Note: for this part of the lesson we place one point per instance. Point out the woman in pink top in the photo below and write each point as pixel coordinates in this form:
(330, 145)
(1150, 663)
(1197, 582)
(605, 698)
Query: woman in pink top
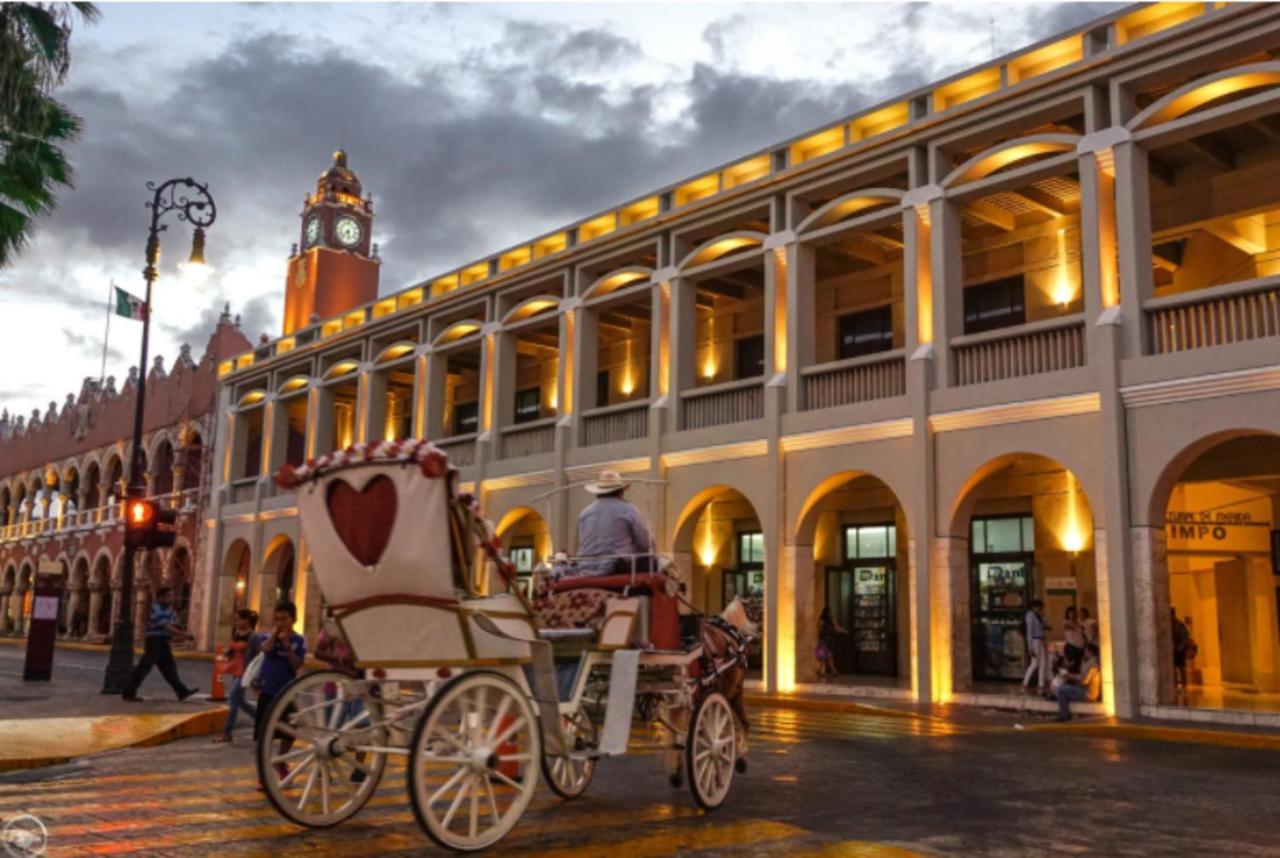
(236, 659)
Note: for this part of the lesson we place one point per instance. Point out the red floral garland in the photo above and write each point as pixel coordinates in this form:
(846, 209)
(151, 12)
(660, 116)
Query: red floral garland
(431, 460)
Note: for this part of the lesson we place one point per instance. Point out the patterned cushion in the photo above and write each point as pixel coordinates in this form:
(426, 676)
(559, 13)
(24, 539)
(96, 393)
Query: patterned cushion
(575, 609)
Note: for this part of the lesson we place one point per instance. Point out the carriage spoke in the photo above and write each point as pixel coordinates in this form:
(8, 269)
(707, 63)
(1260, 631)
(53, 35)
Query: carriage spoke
(493, 801)
(506, 734)
(457, 800)
(293, 773)
(514, 758)
(447, 785)
(475, 806)
(506, 780)
(306, 790)
(497, 719)
(292, 755)
(324, 789)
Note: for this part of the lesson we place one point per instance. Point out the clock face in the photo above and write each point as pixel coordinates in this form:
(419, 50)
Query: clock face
(347, 231)
(313, 230)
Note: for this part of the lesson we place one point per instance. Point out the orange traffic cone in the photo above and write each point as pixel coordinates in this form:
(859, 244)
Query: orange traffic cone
(217, 692)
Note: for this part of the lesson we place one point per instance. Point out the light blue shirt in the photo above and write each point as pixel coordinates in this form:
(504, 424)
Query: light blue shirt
(609, 527)
(1035, 626)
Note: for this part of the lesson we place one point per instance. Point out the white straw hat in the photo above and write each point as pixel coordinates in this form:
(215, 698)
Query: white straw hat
(609, 482)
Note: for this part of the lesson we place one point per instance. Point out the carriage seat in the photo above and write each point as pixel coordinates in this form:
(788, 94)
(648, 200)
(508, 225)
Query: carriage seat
(660, 614)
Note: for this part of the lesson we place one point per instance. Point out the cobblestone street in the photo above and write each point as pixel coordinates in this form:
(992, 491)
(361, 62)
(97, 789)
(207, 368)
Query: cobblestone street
(820, 783)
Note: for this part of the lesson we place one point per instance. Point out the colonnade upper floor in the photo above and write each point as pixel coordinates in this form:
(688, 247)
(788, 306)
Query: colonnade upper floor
(1108, 227)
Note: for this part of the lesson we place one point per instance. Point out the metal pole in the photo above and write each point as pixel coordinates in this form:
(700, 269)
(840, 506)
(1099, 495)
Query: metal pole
(120, 662)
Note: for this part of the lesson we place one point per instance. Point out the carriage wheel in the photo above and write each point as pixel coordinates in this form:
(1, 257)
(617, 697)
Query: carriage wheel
(567, 777)
(314, 758)
(471, 764)
(711, 751)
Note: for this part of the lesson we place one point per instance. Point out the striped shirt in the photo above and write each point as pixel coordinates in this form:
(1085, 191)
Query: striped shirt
(159, 618)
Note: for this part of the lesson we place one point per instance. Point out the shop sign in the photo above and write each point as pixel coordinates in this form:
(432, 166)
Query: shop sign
(1217, 530)
(1060, 585)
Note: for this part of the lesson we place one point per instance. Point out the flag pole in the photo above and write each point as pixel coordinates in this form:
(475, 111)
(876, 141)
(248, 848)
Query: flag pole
(111, 301)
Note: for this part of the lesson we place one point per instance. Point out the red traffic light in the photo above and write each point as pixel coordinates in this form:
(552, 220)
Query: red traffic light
(140, 513)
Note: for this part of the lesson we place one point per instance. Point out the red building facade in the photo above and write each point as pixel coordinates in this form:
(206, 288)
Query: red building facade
(62, 478)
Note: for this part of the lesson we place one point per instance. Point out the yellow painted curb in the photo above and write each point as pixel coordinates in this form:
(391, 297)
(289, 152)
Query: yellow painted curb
(81, 646)
(1188, 735)
(809, 704)
(30, 743)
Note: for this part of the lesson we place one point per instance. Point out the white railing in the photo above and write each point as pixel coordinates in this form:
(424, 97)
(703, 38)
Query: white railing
(860, 379)
(1032, 349)
(461, 449)
(106, 514)
(528, 439)
(1215, 317)
(610, 424)
(721, 404)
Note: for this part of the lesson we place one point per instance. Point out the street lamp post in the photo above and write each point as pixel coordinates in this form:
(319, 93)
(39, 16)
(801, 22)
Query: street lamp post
(192, 202)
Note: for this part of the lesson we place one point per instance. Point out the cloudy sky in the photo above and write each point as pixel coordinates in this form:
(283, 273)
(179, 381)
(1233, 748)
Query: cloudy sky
(473, 125)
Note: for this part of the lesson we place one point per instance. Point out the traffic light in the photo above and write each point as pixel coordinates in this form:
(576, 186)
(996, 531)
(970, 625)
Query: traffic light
(146, 525)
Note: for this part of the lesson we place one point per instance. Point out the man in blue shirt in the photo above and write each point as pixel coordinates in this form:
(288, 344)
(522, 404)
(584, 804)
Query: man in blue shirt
(612, 534)
(283, 651)
(162, 626)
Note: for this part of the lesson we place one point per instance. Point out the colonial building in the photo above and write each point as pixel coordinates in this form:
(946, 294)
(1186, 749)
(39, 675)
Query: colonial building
(62, 481)
(1009, 336)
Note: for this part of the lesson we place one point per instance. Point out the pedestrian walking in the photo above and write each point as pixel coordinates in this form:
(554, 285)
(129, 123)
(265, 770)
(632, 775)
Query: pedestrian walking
(1072, 640)
(825, 653)
(283, 651)
(1183, 648)
(1036, 627)
(237, 658)
(162, 627)
(1085, 685)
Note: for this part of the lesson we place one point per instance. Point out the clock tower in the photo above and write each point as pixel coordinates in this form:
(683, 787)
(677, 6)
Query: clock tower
(332, 270)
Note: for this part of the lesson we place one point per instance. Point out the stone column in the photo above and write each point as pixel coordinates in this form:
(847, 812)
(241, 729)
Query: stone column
(1133, 242)
(73, 605)
(1154, 631)
(801, 286)
(947, 275)
(683, 344)
(952, 658)
(141, 607)
(95, 610)
(586, 329)
(433, 369)
(808, 604)
(4, 609)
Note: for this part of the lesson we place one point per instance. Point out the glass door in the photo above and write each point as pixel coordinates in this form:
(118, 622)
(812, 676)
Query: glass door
(1002, 563)
(862, 597)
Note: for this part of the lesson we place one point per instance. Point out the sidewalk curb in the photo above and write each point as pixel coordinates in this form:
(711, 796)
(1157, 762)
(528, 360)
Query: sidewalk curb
(1112, 729)
(810, 704)
(81, 646)
(203, 723)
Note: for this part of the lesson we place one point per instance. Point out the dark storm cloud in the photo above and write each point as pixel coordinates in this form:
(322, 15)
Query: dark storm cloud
(257, 316)
(461, 156)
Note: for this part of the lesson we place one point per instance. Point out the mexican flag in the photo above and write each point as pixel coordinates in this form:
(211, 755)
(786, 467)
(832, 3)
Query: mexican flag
(129, 306)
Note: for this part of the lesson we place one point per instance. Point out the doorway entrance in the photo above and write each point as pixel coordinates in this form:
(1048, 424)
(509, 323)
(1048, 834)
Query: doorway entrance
(1002, 563)
(746, 581)
(861, 596)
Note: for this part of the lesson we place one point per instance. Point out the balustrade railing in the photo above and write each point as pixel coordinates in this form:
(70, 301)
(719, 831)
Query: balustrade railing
(625, 421)
(1215, 317)
(861, 379)
(721, 404)
(528, 439)
(461, 449)
(82, 518)
(1027, 350)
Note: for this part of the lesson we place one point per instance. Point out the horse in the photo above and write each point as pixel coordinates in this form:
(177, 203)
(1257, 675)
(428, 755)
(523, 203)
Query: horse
(724, 642)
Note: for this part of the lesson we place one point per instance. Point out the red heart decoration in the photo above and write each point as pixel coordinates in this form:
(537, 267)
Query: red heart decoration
(363, 519)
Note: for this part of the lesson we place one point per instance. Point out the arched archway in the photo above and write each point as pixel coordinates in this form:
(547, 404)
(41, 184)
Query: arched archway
(1021, 531)
(180, 578)
(77, 599)
(93, 496)
(719, 550)
(8, 593)
(235, 575)
(278, 574)
(162, 469)
(101, 597)
(22, 604)
(526, 540)
(1213, 576)
(854, 530)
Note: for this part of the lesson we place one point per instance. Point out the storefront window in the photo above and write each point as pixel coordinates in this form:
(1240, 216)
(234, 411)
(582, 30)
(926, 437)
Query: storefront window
(870, 541)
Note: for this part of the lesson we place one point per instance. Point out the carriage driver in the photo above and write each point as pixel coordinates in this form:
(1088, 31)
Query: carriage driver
(613, 530)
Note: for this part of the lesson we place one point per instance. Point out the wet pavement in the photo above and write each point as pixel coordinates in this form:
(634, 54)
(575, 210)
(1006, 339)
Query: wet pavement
(820, 783)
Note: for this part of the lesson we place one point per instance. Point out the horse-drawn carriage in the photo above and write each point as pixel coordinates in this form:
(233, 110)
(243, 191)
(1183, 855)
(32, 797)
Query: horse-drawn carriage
(463, 685)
